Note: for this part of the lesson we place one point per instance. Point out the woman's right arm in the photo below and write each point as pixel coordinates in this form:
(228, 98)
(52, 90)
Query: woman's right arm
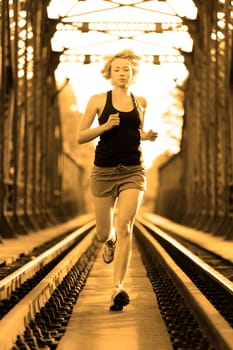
(85, 132)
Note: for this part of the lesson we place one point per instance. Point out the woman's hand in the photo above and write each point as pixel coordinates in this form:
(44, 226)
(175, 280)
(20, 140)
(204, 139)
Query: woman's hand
(113, 120)
(150, 135)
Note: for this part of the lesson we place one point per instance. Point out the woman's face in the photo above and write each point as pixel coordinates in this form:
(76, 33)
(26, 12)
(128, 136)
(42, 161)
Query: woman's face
(121, 72)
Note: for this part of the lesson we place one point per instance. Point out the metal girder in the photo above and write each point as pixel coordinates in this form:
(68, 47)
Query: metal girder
(30, 126)
(136, 21)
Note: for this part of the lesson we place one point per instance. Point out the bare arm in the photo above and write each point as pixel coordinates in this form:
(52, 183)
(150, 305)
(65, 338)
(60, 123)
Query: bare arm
(85, 132)
(145, 135)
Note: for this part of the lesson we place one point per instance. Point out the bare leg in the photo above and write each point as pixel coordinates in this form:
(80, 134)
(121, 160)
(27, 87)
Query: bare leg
(128, 205)
(104, 211)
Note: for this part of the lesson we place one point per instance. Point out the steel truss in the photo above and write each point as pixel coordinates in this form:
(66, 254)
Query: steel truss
(31, 157)
(204, 189)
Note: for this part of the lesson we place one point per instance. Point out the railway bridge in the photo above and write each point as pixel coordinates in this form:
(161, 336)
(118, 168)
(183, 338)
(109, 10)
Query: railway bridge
(50, 53)
(43, 172)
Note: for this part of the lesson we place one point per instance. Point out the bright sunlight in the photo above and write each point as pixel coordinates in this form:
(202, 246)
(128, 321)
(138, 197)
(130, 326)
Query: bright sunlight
(87, 30)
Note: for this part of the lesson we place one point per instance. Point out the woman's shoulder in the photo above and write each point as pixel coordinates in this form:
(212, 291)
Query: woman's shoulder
(98, 101)
(142, 101)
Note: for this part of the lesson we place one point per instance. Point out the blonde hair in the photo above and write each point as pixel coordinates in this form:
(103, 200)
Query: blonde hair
(127, 54)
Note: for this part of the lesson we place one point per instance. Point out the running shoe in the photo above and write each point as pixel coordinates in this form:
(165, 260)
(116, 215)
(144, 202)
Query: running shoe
(108, 251)
(120, 298)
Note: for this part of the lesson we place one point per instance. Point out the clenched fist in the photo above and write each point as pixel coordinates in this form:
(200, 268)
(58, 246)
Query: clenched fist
(113, 120)
(152, 135)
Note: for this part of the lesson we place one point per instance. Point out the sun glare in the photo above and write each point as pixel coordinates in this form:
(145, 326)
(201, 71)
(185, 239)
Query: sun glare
(153, 29)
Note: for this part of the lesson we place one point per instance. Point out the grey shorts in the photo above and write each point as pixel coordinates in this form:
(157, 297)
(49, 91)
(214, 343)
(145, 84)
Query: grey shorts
(110, 181)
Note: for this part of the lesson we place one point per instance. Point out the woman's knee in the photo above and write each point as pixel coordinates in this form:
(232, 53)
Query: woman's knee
(124, 229)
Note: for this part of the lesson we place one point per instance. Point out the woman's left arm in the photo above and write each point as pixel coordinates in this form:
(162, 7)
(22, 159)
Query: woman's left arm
(150, 135)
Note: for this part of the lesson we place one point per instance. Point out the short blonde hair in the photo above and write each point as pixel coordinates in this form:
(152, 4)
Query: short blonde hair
(127, 54)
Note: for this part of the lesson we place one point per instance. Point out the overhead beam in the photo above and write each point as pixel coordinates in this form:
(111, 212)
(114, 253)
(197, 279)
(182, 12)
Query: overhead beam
(87, 59)
(85, 27)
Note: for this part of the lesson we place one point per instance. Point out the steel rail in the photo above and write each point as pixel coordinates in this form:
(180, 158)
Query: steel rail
(215, 275)
(216, 327)
(18, 277)
(16, 320)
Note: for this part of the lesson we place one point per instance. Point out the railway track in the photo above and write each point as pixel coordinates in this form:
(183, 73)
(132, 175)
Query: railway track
(194, 299)
(206, 292)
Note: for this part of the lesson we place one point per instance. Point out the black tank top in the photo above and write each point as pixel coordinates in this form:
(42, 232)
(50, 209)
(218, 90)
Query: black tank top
(121, 144)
